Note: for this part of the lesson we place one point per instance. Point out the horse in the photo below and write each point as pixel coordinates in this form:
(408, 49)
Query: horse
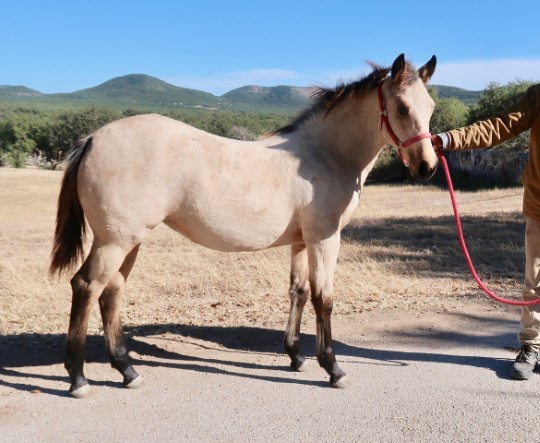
(296, 186)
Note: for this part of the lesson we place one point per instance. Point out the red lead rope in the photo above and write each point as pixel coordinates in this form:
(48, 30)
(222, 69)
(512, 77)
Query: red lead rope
(464, 246)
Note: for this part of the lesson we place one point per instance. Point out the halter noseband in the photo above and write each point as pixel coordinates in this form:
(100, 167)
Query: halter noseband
(385, 122)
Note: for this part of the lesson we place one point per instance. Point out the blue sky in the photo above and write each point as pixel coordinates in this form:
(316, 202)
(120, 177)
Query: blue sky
(63, 46)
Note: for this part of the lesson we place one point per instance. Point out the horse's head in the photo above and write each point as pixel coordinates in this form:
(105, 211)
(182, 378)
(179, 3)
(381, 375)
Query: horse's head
(406, 109)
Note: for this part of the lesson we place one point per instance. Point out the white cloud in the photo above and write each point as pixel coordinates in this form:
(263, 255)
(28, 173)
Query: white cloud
(476, 74)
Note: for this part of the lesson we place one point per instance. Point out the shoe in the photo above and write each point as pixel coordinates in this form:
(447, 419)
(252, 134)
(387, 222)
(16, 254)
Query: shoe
(525, 363)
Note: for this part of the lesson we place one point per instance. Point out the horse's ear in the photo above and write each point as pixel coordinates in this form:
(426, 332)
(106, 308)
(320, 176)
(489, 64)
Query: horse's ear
(426, 71)
(398, 67)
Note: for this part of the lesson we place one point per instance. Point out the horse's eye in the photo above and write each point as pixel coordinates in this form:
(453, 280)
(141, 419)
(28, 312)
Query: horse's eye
(403, 110)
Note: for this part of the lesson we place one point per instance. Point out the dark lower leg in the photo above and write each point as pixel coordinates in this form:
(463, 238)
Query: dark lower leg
(76, 337)
(292, 334)
(325, 351)
(109, 304)
(118, 355)
(299, 290)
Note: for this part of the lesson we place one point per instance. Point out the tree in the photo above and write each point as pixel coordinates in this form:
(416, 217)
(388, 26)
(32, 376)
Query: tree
(449, 113)
(240, 133)
(495, 99)
(18, 139)
(72, 126)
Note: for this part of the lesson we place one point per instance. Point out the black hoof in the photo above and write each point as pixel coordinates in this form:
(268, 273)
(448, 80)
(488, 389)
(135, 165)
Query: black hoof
(79, 391)
(299, 364)
(340, 382)
(131, 378)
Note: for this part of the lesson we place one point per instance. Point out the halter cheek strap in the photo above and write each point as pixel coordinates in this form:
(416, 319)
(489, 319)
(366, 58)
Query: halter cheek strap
(385, 122)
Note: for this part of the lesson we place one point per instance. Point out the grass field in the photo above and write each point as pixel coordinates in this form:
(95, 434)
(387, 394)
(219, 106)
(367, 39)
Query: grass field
(399, 252)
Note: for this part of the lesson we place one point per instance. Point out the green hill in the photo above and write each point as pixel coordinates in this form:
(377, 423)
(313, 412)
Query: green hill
(148, 93)
(140, 89)
(276, 96)
(466, 96)
(18, 91)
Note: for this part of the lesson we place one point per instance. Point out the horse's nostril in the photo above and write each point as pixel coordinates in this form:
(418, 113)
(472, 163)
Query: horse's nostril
(424, 170)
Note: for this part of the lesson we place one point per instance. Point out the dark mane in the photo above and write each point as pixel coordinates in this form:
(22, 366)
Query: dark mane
(325, 99)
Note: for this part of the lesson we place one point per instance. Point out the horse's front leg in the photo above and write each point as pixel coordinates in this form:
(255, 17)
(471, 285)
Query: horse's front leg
(322, 263)
(298, 292)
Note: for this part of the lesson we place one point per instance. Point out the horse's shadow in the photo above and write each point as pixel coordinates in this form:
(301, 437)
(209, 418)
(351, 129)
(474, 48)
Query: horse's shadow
(30, 350)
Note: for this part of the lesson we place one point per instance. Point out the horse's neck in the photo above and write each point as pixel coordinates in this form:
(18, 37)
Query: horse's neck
(352, 135)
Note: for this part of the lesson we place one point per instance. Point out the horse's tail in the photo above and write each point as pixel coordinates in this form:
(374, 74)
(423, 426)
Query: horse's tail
(70, 223)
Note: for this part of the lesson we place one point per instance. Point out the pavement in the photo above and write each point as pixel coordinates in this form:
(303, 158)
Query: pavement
(415, 377)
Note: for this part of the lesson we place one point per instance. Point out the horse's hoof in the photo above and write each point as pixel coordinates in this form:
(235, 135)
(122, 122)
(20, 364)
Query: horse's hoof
(81, 392)
(342, 383)
(299, 365)
(302, 366)
(135, 383)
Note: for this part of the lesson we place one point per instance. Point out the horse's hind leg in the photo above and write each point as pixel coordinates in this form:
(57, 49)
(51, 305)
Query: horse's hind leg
(109, 304)
(298, 292)
(88, 283)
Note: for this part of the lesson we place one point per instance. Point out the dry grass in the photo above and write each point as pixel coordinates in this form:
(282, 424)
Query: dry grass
(399, 252)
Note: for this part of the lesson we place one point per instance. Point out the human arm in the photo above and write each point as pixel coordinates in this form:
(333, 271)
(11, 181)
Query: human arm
(485, 133)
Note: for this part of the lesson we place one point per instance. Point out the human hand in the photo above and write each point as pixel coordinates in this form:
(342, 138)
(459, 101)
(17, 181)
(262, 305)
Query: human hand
(437, 142)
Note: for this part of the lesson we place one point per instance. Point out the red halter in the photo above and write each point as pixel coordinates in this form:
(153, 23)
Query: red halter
(384, 122)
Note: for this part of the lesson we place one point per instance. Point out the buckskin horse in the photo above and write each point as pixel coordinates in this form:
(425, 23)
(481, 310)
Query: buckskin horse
(297, 186)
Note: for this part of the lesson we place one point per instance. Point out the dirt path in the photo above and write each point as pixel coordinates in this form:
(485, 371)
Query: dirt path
(433, 377)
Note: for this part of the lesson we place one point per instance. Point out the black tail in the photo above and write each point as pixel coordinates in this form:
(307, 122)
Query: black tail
(70, 224)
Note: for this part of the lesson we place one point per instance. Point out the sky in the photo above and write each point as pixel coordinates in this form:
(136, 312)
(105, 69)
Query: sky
(215, 46)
